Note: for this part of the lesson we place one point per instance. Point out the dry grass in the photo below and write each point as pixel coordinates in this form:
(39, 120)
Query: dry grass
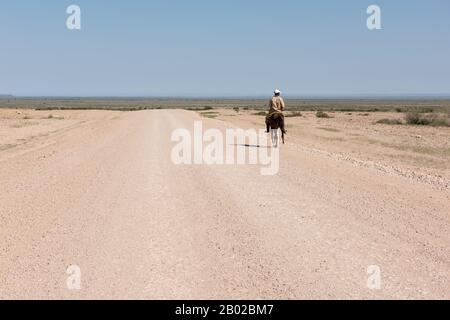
(210, 114)
(329, 129)
(321, 114)
(6, 146)
(435, 120)
(389, 121)
(260, 113)
(294, 114)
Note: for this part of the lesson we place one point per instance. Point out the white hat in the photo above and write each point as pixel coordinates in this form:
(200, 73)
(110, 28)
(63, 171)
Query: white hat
(277, 91)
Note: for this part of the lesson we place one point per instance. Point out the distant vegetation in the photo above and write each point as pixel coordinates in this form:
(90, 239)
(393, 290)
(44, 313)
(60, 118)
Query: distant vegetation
(414, 118)
(198, 108)
(210, 114)
(293, 105)
(420, 119)
(294, 114)
(260, 113)
(389, 121)
(321, 114)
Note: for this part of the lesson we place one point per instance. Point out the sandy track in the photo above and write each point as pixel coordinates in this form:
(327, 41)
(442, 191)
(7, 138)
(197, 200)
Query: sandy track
(105, 196)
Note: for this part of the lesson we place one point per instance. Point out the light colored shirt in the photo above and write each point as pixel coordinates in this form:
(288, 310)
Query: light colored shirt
(276, 105)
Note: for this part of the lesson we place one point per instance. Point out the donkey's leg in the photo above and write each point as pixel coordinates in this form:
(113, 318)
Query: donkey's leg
(282, 125)
(275, 138)
(283, 130)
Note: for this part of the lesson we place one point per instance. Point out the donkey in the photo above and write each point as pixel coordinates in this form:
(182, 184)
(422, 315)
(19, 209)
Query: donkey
(276, 122)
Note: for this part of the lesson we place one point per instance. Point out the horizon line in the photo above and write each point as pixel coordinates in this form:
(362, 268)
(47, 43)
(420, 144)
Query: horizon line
(232, 97)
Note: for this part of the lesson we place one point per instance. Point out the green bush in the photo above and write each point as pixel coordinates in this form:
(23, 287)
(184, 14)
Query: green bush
(321, 114)
(415, 118)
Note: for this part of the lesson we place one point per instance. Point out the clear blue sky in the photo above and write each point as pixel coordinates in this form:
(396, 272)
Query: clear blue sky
(224, 48)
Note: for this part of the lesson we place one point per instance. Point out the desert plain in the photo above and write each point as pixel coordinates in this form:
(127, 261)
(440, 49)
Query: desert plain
(97, 189)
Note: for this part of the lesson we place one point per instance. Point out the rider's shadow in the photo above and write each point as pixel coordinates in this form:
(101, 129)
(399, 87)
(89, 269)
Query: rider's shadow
(249, 146)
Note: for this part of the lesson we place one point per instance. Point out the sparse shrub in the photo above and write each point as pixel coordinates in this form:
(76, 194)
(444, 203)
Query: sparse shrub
(321, 114)
(210, 114)
(426, 110)
(399, 110)
(346, 109)
(50, 116)
(236, 109)
(204, 108)
(390, 121)
(294, 114)
(440, 122)
(415, 118)
(260, 113)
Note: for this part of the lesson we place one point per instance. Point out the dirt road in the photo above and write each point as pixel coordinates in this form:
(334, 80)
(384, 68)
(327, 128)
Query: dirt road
(104, 195)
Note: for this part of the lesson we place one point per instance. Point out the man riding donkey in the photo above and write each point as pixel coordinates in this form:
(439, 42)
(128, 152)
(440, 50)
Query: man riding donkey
(276, 108)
